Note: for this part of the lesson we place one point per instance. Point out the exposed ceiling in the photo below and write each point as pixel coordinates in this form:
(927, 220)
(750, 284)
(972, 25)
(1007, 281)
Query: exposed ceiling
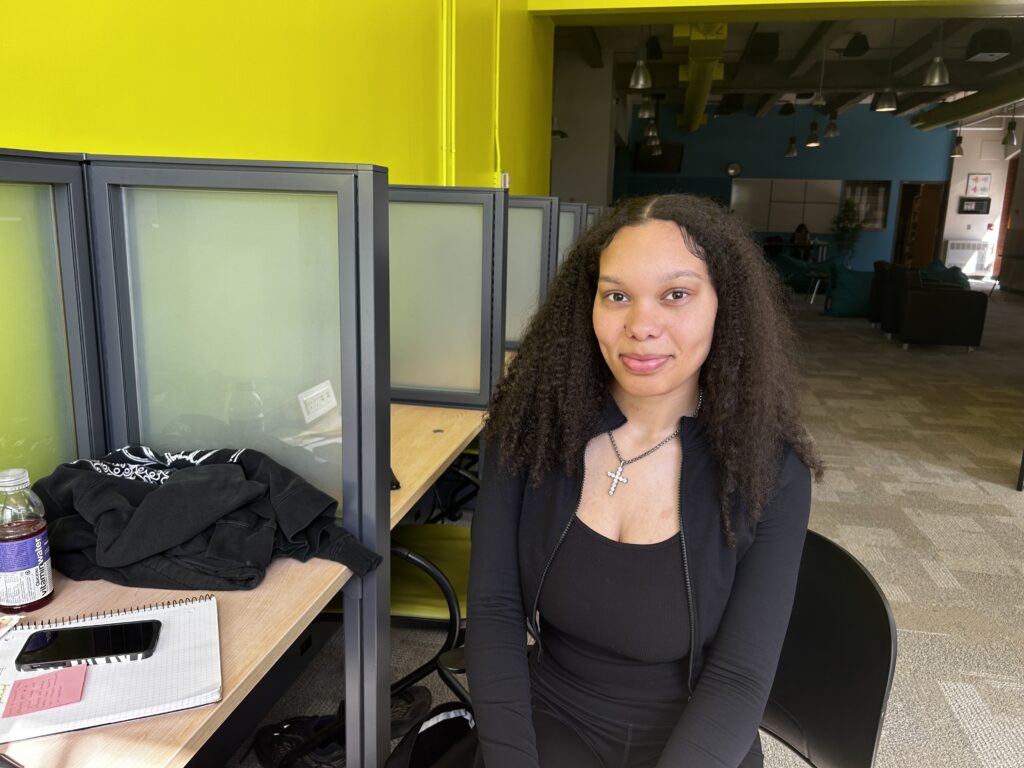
(760, 64)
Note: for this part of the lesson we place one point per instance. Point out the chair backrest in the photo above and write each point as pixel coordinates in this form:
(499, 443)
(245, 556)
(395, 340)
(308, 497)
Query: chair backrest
(832, 685)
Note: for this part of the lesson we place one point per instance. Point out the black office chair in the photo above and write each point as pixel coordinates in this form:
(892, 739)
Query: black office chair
(835, 671)
(832, 685)
(320, 740)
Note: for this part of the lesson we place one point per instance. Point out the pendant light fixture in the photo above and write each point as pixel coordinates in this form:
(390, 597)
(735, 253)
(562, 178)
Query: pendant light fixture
(656, 150)
(640, 79)
(958, 144)
(646, 109)
(832, 129)
(651, 131)
(937, 74)
(885, 100)
(812, 137)
(1010, 137)
(791, 148)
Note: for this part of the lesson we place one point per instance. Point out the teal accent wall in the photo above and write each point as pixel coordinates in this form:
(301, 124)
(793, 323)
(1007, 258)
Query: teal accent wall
(870, 147)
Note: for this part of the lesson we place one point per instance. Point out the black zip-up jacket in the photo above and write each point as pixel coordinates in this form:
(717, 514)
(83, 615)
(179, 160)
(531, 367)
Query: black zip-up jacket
(189, 520)
(739, 602)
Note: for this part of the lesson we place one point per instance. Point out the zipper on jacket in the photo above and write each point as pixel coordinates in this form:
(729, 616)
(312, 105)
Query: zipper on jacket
(544, 573)
(686, 576)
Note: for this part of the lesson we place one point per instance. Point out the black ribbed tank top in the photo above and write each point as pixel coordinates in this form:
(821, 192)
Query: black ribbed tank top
(615, 628)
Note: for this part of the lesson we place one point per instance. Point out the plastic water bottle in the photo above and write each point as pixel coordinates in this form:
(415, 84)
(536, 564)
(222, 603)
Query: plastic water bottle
(26, 577)
(245, 408)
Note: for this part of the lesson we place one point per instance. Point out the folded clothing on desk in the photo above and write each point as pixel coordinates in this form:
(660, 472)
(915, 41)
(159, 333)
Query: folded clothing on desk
(206, 519)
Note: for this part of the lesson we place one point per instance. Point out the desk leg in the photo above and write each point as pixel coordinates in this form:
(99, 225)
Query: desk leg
(1020, 477)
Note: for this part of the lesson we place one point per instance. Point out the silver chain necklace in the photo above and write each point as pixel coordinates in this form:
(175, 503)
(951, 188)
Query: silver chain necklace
(617, 476)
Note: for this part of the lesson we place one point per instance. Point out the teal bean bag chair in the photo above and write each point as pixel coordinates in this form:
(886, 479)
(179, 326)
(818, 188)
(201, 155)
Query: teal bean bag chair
(849, 292)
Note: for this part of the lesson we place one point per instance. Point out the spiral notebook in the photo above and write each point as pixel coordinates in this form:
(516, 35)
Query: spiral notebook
(183, 672)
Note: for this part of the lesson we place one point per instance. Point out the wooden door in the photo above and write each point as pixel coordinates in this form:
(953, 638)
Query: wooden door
(926, 217)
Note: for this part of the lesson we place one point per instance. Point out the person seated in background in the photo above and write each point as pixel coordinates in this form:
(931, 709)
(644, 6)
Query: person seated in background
(800, 243)
(644, 499)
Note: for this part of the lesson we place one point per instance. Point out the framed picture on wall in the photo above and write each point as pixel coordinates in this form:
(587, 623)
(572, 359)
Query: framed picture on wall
(872, 201)
(978, 184)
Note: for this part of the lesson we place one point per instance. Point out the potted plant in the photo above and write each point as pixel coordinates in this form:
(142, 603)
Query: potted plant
(846, 229)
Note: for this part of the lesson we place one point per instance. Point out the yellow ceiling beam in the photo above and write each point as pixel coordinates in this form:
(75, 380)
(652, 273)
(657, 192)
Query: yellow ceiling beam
(1007, 91)
(620, 12)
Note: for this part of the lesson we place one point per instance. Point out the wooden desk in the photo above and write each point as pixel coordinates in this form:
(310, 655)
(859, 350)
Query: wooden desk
(424, 441)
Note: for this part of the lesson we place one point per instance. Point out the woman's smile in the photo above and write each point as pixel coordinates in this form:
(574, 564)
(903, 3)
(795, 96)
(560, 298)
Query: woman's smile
(644, 364)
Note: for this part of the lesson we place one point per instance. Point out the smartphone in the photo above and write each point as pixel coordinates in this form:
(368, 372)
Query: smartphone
(97, 644)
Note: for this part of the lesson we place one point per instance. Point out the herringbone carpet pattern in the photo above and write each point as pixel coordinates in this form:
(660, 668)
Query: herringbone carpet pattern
(923, 449)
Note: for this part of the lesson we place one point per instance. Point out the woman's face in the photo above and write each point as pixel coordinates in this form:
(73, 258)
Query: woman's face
(654, 313)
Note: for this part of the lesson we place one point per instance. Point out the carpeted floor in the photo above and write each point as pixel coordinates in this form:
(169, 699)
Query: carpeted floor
(923, 448)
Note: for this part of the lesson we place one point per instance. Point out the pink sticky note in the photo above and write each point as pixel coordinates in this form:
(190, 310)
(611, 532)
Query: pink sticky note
(54, 689)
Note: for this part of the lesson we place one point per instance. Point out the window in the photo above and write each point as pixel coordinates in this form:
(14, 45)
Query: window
(872, 201)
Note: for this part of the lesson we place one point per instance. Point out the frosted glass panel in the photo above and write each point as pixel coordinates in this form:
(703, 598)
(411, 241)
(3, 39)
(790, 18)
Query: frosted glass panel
(566, 233)
(436, 267)
(788, 190)
(523, 268)
(750, 201)
(37, 429)
(235, 312)
(785, 217)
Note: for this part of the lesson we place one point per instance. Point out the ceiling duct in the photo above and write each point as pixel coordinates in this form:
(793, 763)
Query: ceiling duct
(730, 103)
(857, 46)
(987, 45)
(653, 49)
(706, 44)
(762, 48)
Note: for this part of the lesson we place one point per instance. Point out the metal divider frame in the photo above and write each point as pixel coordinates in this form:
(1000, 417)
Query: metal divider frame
(63, 174)
(579, 212)
(492, 316)
(549, 244)
(361, 193)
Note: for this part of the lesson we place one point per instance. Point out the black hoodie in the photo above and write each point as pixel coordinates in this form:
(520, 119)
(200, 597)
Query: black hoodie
(205, 519)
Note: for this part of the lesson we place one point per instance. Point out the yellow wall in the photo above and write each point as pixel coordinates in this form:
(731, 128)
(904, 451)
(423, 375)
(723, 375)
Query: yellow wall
(525, 79)
(409, 84)
(308, 80)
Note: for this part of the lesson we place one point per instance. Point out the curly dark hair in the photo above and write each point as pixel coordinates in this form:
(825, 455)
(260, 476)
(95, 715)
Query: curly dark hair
(548, 405)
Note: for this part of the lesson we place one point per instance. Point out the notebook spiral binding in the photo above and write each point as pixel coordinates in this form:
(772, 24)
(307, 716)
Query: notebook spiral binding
(115, 613)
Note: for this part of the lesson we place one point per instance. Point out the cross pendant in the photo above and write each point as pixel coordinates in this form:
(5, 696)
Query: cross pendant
(617, 478)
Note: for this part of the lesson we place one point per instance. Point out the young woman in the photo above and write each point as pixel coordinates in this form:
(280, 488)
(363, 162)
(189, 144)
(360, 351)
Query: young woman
(646, 494)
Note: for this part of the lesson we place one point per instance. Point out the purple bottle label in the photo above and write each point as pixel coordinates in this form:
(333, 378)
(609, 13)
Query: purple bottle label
(24, 554)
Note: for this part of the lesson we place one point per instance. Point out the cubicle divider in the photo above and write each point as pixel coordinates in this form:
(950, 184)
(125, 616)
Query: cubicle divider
(45, 251)
(572, 220)
(246, 304)
(594, 212)
(447, 279)
(531, 263)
